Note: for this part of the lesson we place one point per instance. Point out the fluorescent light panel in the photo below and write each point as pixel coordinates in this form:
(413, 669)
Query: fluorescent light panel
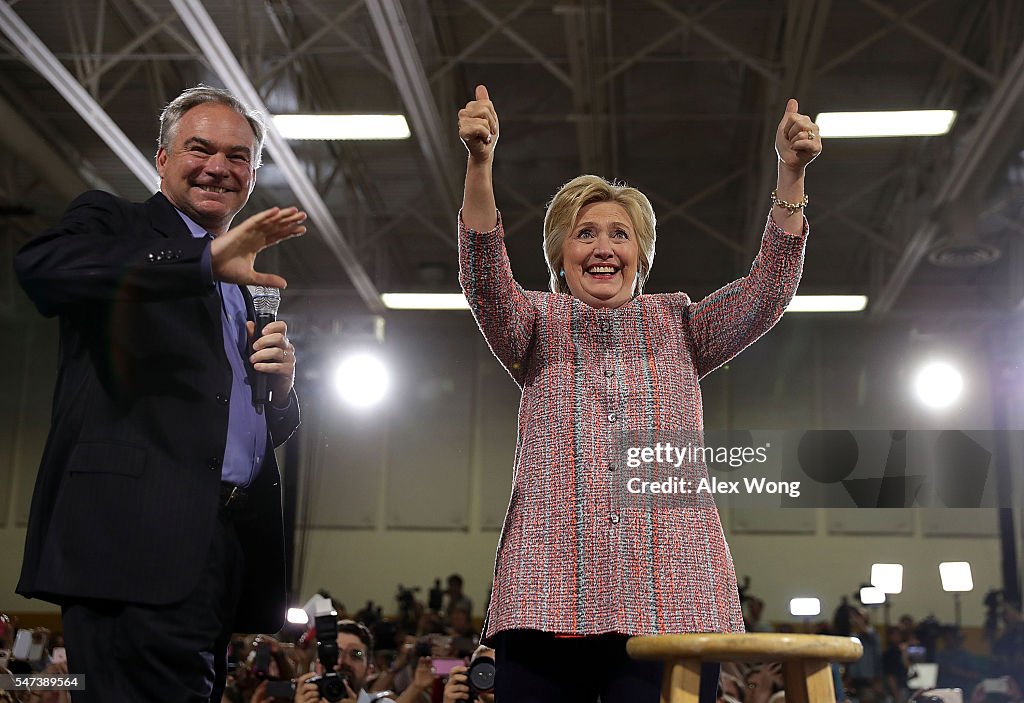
(828, 303)
(890, 123)
(456, 301)
(425, 301)
(342, 127)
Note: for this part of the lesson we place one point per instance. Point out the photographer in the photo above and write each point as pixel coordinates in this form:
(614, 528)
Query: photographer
(458, 686)
(355, 653)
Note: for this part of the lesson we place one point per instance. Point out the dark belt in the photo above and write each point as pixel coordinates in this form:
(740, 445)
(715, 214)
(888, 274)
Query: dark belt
(233, 501)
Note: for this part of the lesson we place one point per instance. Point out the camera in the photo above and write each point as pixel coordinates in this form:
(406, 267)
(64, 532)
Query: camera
(331, 684)
(481, 676)
(260, 659)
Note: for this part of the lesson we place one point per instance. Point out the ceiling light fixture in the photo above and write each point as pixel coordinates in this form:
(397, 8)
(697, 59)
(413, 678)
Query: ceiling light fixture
(828, 303)
(342, 127)
(888, 123)
(425, 301)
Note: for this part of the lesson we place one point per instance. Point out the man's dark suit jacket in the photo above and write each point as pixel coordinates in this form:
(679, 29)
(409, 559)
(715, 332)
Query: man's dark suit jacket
(126, 497)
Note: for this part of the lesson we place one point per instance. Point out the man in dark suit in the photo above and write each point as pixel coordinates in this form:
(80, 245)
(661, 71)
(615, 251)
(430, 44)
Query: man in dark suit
(156, 520)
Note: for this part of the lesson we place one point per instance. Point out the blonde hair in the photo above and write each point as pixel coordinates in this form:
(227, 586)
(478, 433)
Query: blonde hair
(565, 207)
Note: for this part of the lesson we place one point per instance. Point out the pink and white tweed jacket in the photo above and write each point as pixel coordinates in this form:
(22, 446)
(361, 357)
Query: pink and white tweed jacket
(574, 558)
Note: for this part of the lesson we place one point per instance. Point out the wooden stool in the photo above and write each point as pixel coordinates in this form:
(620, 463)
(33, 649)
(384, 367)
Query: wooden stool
(805, 660)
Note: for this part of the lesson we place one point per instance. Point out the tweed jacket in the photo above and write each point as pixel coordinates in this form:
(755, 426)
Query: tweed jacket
(573, 557)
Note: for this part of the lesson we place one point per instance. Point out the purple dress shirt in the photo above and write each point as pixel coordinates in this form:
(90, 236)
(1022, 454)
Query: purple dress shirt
(247, 429)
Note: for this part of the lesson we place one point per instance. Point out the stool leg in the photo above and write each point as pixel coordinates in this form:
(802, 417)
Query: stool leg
(681, 681)
(809, 681)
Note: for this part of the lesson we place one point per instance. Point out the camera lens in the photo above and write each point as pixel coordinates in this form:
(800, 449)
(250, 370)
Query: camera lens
(481, 674)
(332, 687)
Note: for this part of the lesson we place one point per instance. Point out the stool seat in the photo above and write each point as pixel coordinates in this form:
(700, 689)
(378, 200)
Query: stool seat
(806, 660)
(747, 647)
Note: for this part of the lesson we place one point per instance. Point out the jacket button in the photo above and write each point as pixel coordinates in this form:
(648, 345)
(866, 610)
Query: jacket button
(612, 418)
(614, 519)
(222, 399)
(608, 373)
(151, 257)
(611, 466)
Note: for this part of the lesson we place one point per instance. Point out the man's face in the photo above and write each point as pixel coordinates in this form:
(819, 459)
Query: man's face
(353, 660)
(207, 172)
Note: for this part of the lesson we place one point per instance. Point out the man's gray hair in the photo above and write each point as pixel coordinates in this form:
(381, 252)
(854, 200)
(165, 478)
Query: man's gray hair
(202, 94)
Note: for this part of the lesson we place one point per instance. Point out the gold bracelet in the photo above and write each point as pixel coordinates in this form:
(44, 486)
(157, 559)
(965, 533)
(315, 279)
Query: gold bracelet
(789, 207)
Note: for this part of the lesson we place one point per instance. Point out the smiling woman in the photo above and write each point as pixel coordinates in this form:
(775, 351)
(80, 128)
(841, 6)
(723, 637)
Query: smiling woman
(599, 241)
(603, 367)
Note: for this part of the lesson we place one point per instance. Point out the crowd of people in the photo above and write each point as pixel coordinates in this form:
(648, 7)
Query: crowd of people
(424, 657)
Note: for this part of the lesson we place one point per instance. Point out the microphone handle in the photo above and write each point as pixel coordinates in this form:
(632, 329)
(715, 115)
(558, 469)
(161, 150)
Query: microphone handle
(261, 393)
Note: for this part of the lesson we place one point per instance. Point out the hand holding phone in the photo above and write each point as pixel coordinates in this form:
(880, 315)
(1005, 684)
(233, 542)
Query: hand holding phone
(22, 645)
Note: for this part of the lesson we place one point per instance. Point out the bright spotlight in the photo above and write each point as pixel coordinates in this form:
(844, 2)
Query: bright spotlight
(805, 607)
(938, 384)
(362, 380)
(297, 616)
(888, 578)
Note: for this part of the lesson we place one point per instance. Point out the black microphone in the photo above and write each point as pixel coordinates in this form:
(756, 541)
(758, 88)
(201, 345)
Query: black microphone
(266, 300)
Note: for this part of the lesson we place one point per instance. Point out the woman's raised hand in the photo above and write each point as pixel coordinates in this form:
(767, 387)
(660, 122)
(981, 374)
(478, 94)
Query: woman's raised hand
(478, 125)
(798, 139)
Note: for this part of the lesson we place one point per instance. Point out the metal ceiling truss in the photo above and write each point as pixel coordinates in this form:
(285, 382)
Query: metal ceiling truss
(43, 60)
(227, 67)
(998, 117)
(802, 33)
(411, 80)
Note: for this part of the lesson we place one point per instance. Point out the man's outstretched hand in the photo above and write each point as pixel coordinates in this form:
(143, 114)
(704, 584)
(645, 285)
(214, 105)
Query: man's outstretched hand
(233, 253)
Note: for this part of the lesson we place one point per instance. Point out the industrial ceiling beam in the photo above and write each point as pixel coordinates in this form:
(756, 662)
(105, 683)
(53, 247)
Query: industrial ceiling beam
(623, 64)
(997, 119)
(522, 42)
(914, 31)
(410, 78)
(730, 49)
(223, 61)
(23, 140)
(481, 40)
(803, 33)
(867, 41)
(43, 60)
(580, 38)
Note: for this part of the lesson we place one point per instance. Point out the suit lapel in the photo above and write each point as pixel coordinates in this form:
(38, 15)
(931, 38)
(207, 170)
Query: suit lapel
(165, 219)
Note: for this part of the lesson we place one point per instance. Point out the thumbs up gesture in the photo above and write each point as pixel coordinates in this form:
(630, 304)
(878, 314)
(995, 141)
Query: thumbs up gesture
(478, 126)
(797, 140)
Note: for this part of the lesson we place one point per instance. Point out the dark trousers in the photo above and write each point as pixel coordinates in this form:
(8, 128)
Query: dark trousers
(537, 667)
(131, 652)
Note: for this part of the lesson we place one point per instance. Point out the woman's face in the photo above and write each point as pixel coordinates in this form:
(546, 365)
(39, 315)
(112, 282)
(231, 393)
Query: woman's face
(600, 254)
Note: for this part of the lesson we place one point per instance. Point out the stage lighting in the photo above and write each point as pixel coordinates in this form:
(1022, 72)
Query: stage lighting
(297, 616)
(805, 607)
(871, 595)
(888, 578)
(938, 384)
(362, 380)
